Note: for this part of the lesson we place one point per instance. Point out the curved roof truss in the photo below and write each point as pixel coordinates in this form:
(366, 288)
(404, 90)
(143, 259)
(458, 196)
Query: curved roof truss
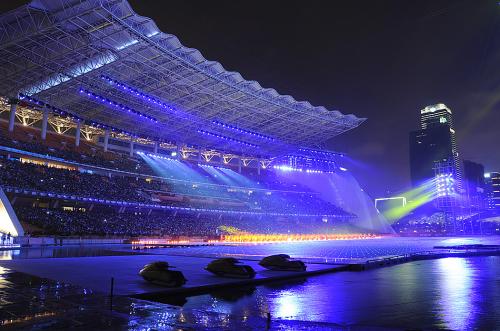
(51, 49)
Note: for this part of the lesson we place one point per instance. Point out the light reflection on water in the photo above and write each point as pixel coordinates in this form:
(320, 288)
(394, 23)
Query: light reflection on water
(447, 293)
(287, 305)
(456, 292)
(8, 254)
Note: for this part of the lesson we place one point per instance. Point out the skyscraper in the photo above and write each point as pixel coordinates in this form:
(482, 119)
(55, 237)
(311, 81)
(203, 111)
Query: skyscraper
(434, 145)
(474, 185)
(493, 190)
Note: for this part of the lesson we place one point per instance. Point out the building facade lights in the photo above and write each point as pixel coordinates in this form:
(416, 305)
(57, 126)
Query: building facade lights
(445, 185)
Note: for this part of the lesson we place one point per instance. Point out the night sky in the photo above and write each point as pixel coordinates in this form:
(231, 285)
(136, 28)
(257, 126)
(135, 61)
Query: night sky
(384, 60)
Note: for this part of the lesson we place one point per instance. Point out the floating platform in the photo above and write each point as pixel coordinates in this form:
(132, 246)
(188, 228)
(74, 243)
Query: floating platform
(95, 273)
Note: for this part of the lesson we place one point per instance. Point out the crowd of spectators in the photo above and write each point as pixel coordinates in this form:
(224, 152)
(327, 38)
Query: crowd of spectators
(110, 222)
(29, 176)
(91, 156)
(264, 196)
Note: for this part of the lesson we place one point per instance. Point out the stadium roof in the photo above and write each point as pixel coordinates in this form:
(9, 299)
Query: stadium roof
(102, 62)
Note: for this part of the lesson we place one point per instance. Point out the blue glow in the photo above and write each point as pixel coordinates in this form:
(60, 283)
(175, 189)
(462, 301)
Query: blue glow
(314, 151)
(227, 138)
(445, 185)
(67, 114)
(75, 71)
(240, 130)
(307, 171)
(138, 93)
(115, 104)
(457, 293)
(286, 168)
(127, 44)
(310, 159)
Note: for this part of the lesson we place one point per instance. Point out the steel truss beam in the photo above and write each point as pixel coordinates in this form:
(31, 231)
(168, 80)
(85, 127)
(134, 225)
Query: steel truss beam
(53, 48)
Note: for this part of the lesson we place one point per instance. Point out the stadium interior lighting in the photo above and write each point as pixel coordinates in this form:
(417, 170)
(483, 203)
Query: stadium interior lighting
(156, 156)
(186, 173)
(64, 113)
(237, 129)
(115, 104)
(314, 171)
(307, 150)
(169, 167)
(73, 72)
(239, 179)
(127, 44)
(210, 166)
(137, 93)
(227, 138)
(310, 159)
(287, 168)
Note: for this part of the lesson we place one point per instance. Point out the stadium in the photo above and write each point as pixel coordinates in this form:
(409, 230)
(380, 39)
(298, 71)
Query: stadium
(144, 187)
(111, 127)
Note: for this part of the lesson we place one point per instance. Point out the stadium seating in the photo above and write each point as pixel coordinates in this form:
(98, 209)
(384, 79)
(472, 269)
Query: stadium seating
(75, 199)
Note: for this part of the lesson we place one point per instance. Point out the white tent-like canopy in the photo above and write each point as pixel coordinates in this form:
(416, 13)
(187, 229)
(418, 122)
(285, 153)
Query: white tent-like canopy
(145, 82)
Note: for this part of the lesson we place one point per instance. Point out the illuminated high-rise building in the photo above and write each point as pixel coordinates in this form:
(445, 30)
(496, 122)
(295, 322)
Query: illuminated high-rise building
(493, 190)
(435, 143)
(436, 115)
(474, 185)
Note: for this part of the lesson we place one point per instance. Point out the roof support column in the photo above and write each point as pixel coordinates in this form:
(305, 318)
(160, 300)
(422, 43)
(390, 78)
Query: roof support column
(258, 167)
(45, 119)
(12, 118)
(106, 140)
(239, 165)
(131, 152)
(155, 149)
(77, 133)
(179, 156)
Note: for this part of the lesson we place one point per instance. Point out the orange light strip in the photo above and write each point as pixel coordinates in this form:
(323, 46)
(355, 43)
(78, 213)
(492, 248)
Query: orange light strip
(269, 238)
(257, 238)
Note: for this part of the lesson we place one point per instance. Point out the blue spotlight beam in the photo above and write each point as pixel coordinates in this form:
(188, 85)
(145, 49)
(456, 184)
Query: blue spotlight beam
(240, 130)
(115, 104)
